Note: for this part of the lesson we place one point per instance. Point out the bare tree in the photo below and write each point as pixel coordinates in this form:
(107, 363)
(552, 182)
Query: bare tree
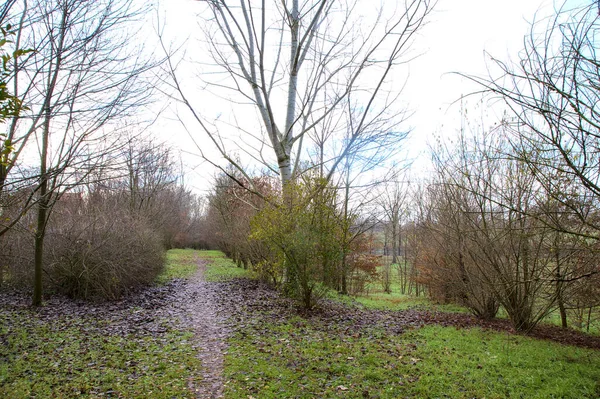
(553, 95)
(394, 203)
(489, 218)
(313, 71)
(83, 77)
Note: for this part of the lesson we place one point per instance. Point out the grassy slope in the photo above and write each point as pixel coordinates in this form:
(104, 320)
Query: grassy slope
(67, 358)
(302, 360)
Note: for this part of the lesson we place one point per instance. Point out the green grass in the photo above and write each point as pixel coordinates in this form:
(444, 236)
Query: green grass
(376, 298)
(487, 364)
(67, 359)
(397, 301)
(75, 357)
(221, 268)
(181, 263)
(297, 360)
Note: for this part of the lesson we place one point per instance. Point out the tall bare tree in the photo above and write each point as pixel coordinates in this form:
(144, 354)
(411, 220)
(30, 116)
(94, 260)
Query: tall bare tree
(314, 71)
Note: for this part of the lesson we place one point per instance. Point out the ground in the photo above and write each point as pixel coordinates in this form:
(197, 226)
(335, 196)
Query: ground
(238, 338)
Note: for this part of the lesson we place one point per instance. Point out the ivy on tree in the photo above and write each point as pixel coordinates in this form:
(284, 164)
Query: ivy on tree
(10, 105)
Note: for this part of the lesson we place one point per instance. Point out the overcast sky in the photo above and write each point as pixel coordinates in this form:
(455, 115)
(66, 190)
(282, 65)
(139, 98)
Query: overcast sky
(456, 38)
(460, 37)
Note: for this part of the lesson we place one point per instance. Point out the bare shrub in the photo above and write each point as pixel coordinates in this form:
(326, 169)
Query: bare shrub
(363, 271)
(95, 249)
(103, 255)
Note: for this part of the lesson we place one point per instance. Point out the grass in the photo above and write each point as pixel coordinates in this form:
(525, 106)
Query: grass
(77, 357)
(221, 268)
(298, 360)
(376, 298)
(180, 263)
(398, 301)
(55, 362)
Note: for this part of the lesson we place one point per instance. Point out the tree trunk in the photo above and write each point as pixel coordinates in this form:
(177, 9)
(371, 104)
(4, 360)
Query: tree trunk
(559, 295)
(42, 216)
(394, 241)
(40, 235)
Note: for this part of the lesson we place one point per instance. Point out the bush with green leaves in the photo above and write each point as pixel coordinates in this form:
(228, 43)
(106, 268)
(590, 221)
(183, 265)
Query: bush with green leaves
(303, 228)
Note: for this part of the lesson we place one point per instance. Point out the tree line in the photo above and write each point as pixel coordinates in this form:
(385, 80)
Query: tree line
(508, 219)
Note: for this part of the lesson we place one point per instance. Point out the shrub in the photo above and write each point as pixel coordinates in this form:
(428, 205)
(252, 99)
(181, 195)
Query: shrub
(303, 229)
(93, 249)
(363, 271)
(103, 256)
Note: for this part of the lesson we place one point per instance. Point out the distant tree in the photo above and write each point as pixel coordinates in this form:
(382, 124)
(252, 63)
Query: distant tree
(393, 201)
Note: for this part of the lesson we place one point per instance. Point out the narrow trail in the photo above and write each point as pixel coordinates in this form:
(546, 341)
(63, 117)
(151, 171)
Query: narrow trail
(211, 334)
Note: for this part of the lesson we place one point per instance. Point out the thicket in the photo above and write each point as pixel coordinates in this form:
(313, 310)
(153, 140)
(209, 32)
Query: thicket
(107, 237)
(491, 240)
(527, 190)
(303, 228)
(95, 249)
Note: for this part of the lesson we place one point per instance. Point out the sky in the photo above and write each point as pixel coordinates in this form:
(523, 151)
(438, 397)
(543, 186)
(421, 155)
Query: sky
(459, 37)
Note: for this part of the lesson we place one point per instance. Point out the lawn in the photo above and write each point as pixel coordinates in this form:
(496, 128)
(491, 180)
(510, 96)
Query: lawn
(56, 360)
(301, 360)
(180, 263)
(81, 350)
(221, 268)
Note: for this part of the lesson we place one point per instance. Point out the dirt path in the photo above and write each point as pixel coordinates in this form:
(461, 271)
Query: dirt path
(199, 298)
